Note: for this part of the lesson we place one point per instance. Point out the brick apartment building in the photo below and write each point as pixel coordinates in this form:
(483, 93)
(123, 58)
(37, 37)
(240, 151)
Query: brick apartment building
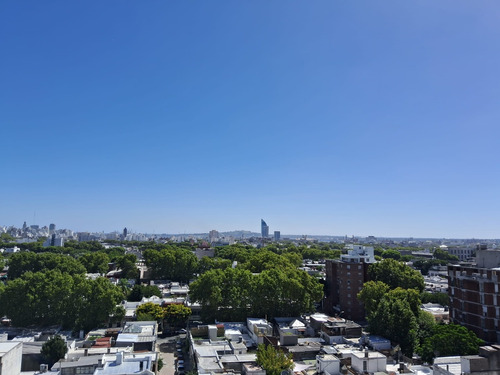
(474, 297)
(344, 280)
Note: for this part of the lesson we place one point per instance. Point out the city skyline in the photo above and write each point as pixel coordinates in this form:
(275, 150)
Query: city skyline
(325, 118)
(249, 232)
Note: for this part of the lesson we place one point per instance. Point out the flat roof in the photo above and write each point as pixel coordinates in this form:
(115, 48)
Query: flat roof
(7, 346)
(80, 361)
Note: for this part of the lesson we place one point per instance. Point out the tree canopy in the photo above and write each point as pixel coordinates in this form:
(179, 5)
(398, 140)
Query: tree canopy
(236, 293)
(394, 314)
(96, 262)
(273, 360)
(396, 274)
(25, 261)
(51, 297)
(150, 311)
(54, 349)
(176, 313)
(175, 264)
(139, 291)
(449, 340)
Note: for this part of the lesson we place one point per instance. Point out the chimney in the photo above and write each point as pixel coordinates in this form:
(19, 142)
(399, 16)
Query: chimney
(119, 358)
(366, 353)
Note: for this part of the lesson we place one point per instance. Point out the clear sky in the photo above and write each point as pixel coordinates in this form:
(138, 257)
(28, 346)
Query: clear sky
(321, 117)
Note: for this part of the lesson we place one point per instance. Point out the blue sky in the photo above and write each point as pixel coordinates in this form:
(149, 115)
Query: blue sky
(322, 117)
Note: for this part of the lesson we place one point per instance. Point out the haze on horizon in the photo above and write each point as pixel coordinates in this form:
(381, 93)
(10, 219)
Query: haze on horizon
(325, 117)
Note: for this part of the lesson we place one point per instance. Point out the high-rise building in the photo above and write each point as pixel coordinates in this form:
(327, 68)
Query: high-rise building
(52, 229)
(264, 229)
(277, 235)
(474, 294)
(345, 279)
(125, 232)
(213, 235)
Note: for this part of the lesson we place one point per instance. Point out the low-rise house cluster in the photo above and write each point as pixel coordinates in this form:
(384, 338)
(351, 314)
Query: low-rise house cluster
(318, 344)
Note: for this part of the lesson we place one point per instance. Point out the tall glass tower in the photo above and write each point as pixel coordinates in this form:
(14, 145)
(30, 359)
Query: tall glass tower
(264, 229)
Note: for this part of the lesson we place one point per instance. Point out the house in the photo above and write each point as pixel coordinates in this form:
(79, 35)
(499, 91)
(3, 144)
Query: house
(140, 335)
(334, 330)
(439, 312)
(447, 366)
(10, 357)
(368, 361)
(327, 364)
(258, 328)
(123, 363)
(78, 365)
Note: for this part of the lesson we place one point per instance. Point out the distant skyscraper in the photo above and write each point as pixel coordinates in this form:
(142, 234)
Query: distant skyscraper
(25, 226)
(264, 229)
(125, 232)
(213, 235)
(277, 235)
(52, 229)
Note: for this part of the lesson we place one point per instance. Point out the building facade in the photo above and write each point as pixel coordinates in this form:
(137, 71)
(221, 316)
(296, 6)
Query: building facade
(264, 229)
(474, 294)
(474, 299)
(345, 279)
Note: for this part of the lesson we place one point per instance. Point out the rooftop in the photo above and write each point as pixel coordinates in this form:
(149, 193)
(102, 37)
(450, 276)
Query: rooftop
(6, 347)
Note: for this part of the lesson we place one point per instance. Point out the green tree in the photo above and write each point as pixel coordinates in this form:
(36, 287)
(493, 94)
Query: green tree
(149, 310)
(285, 292)
(52, 297)
(207, 290)
(395, 320)
(392, 254)
(440, 298)
(127, 264)
(176, 313)
(171, 264)
(54, 349)
(235, 293)
(426, 323)
(42, 298)
(449, 340)
(6, 238)
(25, 261)
(139, 291)
(205, 264)
(223, 294)
(96, 262)
(273, 360)
(371, 295)
(444, 255)
(396, 274)
(97, 302)
(266, 260)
